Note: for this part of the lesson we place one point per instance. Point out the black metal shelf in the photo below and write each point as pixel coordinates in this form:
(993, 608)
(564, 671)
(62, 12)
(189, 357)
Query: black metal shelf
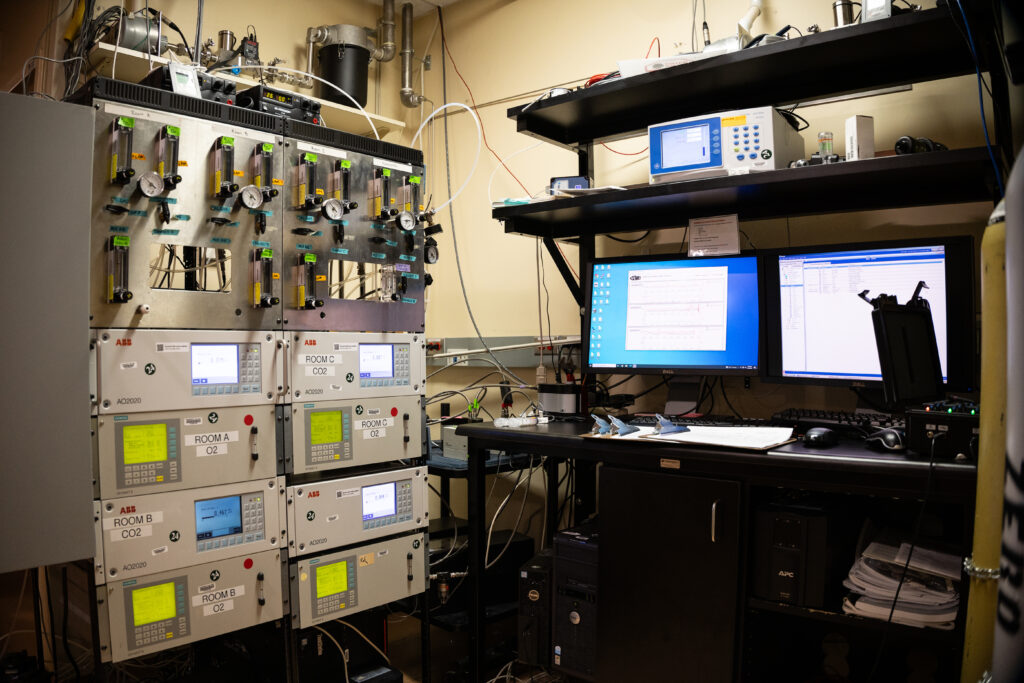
(950, 177)
(908, 48)
(850, 620)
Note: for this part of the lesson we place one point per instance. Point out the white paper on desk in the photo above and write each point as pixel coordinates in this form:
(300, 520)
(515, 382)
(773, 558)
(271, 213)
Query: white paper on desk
(930, 561)
(755, 438)
(715, 235)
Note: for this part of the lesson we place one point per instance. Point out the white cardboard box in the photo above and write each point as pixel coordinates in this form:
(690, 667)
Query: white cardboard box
(860, 137)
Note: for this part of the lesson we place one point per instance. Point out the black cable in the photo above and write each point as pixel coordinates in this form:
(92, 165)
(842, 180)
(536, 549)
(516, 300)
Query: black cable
(53, 627)
(647, 391)
(910, 554)
(626, 241)
(64, 628)
(174, 27)
(749, 241)
(37, 611)
(721, 386)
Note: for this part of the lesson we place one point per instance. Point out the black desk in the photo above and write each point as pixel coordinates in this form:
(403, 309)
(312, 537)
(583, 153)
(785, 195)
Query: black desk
(846, 468)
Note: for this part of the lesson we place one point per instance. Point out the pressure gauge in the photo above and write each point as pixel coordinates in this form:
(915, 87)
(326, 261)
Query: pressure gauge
(151, 184)
(430, 253)
(332, 209)
(406, 221)
(252, 197)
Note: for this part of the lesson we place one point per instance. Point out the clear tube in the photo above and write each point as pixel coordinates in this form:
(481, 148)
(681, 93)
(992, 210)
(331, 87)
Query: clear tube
(479, 145)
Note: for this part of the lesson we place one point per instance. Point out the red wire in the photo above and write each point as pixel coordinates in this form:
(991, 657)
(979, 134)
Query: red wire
(655, 39)
(483, 133)
(625, 154)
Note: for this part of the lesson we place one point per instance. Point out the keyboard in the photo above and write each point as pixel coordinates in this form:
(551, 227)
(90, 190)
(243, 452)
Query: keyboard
(834, 419)
(697, 421)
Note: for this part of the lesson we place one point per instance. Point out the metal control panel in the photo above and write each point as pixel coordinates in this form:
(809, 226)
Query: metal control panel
(332, 434)
(338, 512)
(335, 585)
(163, 531)
(186, 222)
(333, 365)
(172, 608)
(149, 370)
(168, 451)
(353, 241)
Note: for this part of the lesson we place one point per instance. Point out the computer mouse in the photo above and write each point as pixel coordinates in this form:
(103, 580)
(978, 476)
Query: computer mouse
(821, 437)
(889, 439)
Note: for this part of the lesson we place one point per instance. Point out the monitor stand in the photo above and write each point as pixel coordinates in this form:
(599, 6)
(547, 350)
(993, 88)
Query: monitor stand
(683, 394)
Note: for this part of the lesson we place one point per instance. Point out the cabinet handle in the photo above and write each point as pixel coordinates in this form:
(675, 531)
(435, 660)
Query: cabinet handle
(714, 519)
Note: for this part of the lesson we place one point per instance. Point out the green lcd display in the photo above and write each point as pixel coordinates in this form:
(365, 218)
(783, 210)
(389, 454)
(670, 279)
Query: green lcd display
(331, 579)
(154, 603)
(325, 427)
(144, 443)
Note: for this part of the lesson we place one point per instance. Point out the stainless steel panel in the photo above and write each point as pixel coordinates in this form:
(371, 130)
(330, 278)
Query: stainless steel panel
(362, 240)
(194, 212)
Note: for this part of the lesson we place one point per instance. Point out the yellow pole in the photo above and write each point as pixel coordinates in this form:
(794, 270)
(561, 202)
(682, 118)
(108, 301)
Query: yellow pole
(988, 508)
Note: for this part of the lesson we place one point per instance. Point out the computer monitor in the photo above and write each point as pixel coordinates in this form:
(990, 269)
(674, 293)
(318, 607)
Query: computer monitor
(820, 331)
(672, 315)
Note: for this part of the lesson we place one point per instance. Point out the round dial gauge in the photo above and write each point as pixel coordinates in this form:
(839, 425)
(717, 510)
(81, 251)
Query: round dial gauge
(332, 209)
(252, 197)
(406, 221)
(151, 184)
(430, 253)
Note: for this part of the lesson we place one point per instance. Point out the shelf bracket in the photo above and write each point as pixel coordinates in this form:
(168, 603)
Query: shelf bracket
(563, 268)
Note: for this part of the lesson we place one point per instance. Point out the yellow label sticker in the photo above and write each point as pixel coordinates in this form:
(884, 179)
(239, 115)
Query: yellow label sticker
(734, 121)
(321, 278)
(670, 464)
(277, 181)
(182, 162)
(392, 200)
(366, 560)
(139, 156)
(239, 173)
(276, 276)
(319, 192)
(422, 208)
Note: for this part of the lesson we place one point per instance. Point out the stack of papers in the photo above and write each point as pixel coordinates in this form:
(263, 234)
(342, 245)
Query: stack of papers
(927, 598)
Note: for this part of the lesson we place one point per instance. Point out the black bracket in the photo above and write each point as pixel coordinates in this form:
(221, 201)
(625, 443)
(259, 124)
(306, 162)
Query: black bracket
(563, 268)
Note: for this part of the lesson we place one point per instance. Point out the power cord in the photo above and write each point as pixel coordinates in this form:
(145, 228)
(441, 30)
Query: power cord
(910, 555)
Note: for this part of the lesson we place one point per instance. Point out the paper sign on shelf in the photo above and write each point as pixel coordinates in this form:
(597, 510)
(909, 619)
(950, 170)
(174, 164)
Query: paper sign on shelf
(715, 235)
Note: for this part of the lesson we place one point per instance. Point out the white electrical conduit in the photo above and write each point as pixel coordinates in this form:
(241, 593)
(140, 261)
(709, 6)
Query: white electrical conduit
(479, 145)
(256, 67)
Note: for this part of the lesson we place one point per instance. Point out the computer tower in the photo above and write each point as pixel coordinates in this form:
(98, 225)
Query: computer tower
(535, 588)
(791, 555)
(574, 615)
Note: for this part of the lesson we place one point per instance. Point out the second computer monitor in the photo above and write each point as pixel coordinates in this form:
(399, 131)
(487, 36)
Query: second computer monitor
(676, 315)
(820, 330)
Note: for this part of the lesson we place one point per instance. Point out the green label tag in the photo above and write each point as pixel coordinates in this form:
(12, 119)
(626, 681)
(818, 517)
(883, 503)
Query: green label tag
(414, 180)
(126, 121)
(309, 258)
(267, 147)
(120, 418)
(312, 158)
(137, 212)
(227, 142)
(122, 240)
(259, 243)
(339, 250)
(264, 212)
(309, 405)
(220, 209)
(307, 219)
(386, 172)
(345, 163)
(411, 276)
(181, 217)
(219, 240)
(174, 130)
(266, 253)
(391, 243)
(377, 254)
(157, 200)
(406, 257)
(306, 247)
(120, 200)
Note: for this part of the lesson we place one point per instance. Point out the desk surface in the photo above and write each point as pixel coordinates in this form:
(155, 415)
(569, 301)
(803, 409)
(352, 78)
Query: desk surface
(850, 466)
